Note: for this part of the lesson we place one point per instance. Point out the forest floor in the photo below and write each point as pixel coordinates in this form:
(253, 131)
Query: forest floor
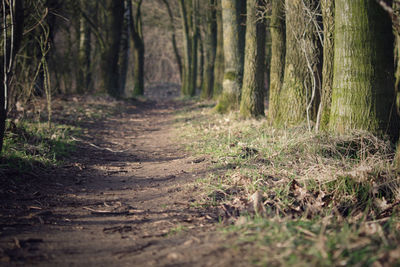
(162, 181)
(125, 196)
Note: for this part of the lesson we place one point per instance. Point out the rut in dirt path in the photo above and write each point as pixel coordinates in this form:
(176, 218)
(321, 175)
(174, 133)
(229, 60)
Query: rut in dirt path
(130, 203)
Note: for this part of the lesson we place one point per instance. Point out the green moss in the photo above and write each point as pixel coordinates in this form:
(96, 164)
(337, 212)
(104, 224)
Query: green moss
(277, 64)
(296, 87)
(217, 90)
(362, 94)
(324, 124)
(226, 103)
(230, 75)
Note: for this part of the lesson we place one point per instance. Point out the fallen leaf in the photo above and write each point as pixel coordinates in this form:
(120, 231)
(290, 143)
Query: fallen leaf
(258, 204)
(381, 204)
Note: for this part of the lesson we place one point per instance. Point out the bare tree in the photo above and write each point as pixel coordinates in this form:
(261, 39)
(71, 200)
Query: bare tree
(12, 29)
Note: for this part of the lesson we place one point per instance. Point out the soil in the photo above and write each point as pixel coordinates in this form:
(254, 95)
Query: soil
(126, 197)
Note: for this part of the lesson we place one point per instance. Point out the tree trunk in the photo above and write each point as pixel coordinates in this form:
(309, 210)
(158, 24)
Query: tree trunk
(252, 100)
(84, 57)
(124, 52)
(11, 41)
(194, 50)
(363, 94)
(137, 46)
(299, 85)
(190, 34)
(277, 68)
(186, 48)
(233, 55)
(396, 6)
(219, 65)
(173, 37)
(201, 53)
(110, 52)
(210, 44)
(328, 16)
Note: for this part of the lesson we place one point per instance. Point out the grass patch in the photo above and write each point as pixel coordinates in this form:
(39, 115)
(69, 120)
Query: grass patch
(311, 198)
(30, 144)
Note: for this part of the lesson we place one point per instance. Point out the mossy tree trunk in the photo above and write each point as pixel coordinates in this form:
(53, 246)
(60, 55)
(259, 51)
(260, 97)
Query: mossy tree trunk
(232, 16)
(109, 82)
(363, 94)
(278, 46)
(252, 100)
(201, 59)
(189, 18)
(300, 63)
(219, 65)
(137, 41)
(328, 13)
(210, 44)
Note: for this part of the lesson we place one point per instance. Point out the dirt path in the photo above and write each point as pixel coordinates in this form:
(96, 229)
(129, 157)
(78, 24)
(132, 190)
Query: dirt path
(126, 199)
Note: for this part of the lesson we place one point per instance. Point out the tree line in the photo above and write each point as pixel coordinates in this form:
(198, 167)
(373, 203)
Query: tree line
(53, 47)
(331, 64)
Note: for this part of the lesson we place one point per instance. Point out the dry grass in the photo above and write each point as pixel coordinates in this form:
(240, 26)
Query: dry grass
(308, 198)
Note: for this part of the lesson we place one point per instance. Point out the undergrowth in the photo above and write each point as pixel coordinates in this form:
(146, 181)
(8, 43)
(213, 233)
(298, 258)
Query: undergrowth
(302, 198)
(31, 146)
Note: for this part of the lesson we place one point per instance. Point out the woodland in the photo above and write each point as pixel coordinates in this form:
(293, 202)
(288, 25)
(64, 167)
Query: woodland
(200, 133)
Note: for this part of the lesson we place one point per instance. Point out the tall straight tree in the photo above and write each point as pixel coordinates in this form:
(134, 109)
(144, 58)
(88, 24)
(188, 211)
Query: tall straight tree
(219, 65)
(84, 54)
(328, 9)
(173, 37)
(301, 58)
(278, 46)
(124, 49)
(252, 100)
(112, 24)
(189, 15)
(233, 34)
(363, 94)
(135, 20)
(210, 47)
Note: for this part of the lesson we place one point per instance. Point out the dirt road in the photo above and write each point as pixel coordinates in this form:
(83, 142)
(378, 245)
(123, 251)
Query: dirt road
(126, 198)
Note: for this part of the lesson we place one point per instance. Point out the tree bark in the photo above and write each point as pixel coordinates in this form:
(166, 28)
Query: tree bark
(252, 100)
(110, 51)
(124, 49)
(201, 57)
(189, 17)
(84, 54)
(300, 64)
(278, 47)
(219, 65)
(328, 17)
(137, 46)
(233, 55)
(363, 94)
(210, 44)
(173, 37)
